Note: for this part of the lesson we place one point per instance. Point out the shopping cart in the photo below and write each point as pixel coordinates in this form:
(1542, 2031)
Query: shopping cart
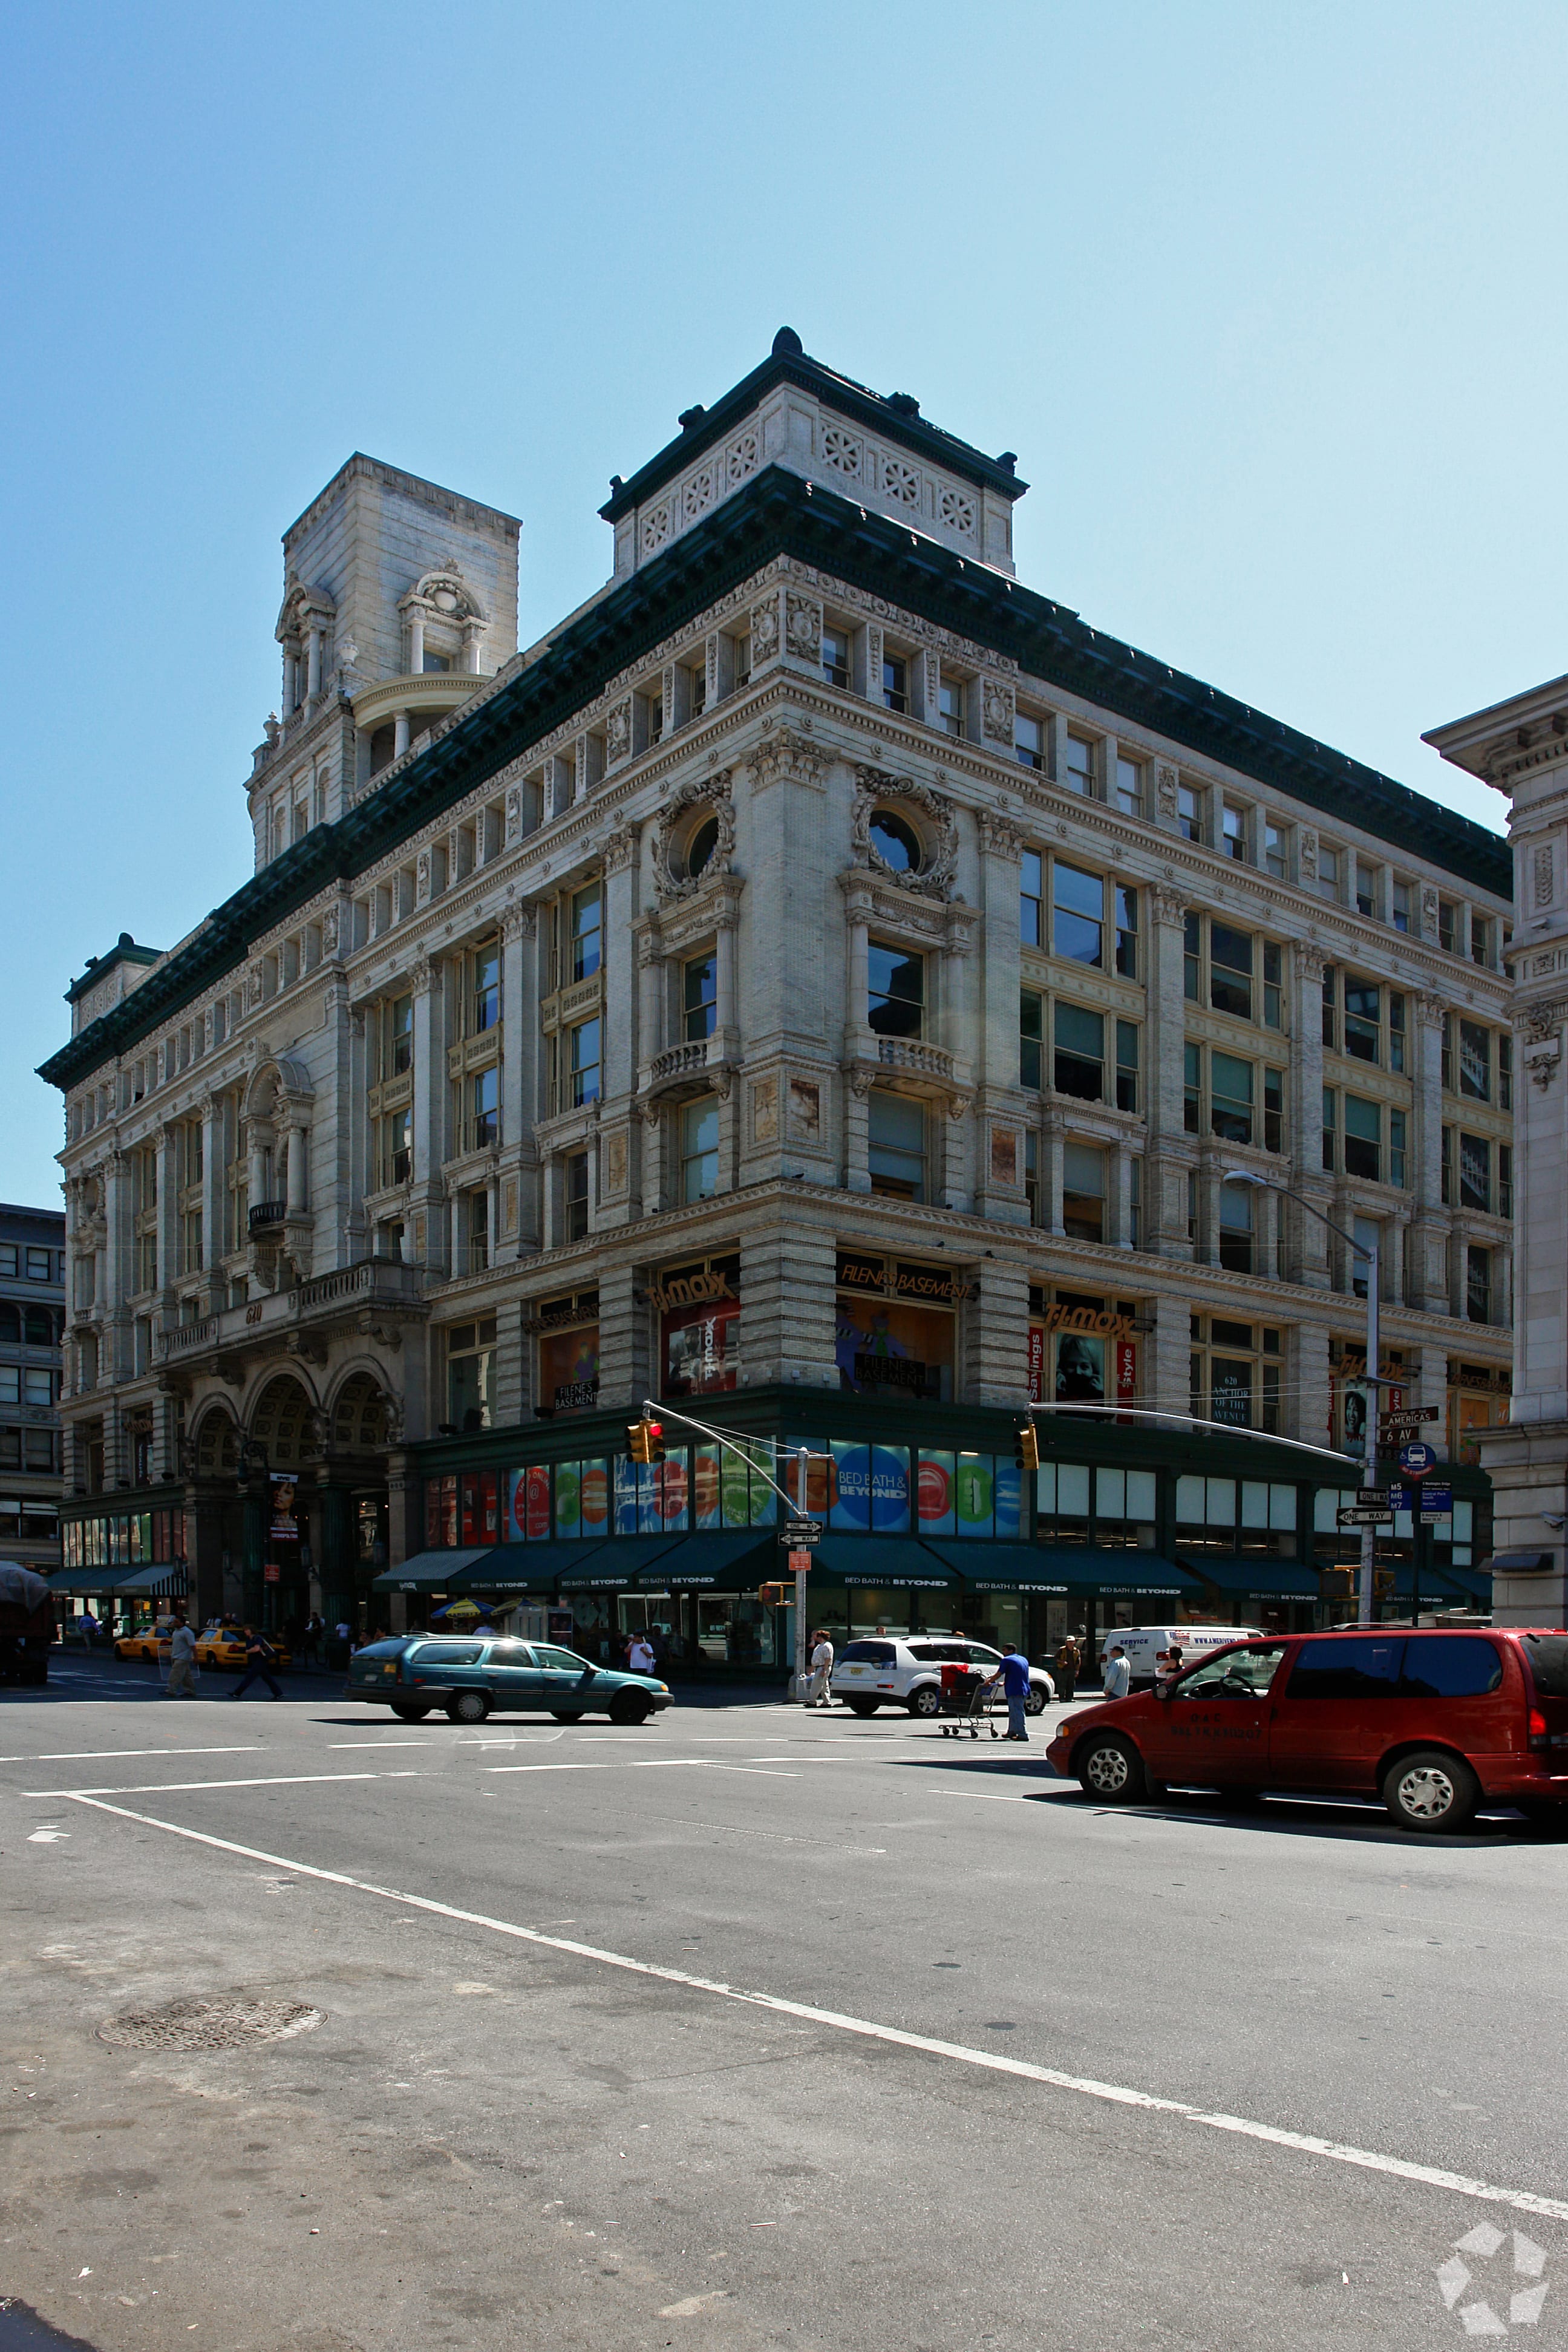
(964, 1699)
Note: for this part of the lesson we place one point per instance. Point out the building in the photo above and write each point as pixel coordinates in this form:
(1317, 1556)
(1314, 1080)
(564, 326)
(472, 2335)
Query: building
(32, 1316)
(1520, 748)
(826, 984)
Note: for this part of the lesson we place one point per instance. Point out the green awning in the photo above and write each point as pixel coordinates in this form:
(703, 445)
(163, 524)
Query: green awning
(999, 1567)
(1254, 1576)
(430, 1571)
(617, 1565)
(720, 1563)
(1119, 1575)
(897, 1562)
(520, 1568)
(167, 1579)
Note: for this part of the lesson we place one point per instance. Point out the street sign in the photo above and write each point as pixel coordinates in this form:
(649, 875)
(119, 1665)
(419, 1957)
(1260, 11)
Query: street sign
(801, 1535)
(1377, 1499)
(1382, 1517)
(1409, 1416)
(1416, 1458)
(272, 1572)
(800, 1563)
(1436, 1502)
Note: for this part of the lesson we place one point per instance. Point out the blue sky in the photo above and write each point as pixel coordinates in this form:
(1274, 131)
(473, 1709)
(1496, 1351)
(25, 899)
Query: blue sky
(1267, 300)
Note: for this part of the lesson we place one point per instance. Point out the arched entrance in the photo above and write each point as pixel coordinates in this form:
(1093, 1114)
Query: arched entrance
(359, 1424)
(280, 1444)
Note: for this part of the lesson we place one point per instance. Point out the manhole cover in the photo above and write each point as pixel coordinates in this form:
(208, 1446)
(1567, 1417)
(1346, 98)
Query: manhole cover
(210, 2024)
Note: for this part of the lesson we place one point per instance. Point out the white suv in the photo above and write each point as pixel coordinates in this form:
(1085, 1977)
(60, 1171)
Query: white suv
(888, 1671)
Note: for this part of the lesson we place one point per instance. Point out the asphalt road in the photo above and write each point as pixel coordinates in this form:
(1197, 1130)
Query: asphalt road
(750, 2027)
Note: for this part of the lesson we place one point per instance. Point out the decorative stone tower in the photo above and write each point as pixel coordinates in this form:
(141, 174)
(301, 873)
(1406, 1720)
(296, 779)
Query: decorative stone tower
(1520, 748)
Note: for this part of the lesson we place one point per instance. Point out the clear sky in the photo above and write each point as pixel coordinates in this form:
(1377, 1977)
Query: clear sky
(1268, 300)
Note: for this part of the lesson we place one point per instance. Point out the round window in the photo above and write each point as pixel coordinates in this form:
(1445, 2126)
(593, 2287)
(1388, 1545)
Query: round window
(896, 843)
(701, 846)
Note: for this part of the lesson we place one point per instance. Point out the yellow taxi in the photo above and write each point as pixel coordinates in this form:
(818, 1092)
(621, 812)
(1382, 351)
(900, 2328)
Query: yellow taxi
(146, 1642)
(222, 1644)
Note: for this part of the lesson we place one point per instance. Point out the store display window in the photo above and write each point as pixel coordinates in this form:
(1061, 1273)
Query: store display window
(698, 1308)
(568, 1354)
(896, 1327)
(1082, 1351)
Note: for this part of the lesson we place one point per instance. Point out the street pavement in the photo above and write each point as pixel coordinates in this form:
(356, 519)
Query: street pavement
(750, 2027)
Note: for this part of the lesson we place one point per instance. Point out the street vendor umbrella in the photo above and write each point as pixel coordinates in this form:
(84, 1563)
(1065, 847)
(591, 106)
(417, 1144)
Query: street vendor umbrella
(462, 1614)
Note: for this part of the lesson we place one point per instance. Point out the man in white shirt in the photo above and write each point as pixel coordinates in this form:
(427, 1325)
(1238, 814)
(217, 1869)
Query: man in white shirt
(641, 1660)
(817, 1693)
(182, 1661)
(1118, 1673)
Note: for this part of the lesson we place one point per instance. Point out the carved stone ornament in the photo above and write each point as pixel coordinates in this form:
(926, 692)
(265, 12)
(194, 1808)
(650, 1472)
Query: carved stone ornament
(1537, 1021)
(329, 932)
(253, 985)
(1542, 869)
(999, 837)
(620, 847)
(1428, 911)
(1167, 906)
(710, 795)
(764, 631)
(514, 813)
(1307, 854)
(934, 824)
(422, 876)
(861, 1081)
(1165, 794)
(1430, 1010)
(1310, 965)
(996, 711)
(803, 624)
(785, 753)
(618, 729)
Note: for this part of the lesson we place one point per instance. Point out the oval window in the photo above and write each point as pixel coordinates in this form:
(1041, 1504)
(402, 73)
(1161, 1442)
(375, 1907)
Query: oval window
(701, 846)
(896, 843)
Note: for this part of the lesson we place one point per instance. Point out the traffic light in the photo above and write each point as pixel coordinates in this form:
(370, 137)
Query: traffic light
(645, 1440)
(1027, 1446)
(775, 1596)
(1338, 1584)
(1381, 1582)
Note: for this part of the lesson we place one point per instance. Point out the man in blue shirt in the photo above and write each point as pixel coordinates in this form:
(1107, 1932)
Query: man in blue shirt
(1013, 1676)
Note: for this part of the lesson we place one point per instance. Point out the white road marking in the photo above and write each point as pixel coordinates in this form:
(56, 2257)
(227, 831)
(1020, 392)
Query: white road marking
(990, 2061)
(94, 1755)
(269, 1780)
(647, 1764)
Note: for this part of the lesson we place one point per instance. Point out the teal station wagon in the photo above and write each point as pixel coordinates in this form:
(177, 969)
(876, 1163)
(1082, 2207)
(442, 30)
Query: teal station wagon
(473, 1675)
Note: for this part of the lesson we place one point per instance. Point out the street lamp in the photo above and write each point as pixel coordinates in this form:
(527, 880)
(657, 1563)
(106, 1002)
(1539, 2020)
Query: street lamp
(1369, 1252)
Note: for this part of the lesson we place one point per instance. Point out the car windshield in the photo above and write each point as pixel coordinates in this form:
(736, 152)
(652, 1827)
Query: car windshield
(566, 1659)
(1232, 1673)
(868, 1654)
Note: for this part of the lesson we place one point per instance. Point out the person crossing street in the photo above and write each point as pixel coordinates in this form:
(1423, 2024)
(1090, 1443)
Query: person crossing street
(260, 1657)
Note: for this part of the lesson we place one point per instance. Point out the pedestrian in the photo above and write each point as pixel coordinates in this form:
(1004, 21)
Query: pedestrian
(260, 1657)
(1068, 1659)
(819, 1689)
(88, 1624)
(640, 1659)
(1169, 1664)
(1013, 1674)
(181, 1659)
(1118, 1673)
(310, 1639)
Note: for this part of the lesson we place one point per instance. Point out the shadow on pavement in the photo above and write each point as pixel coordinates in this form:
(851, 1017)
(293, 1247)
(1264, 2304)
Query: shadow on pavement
(21, 2330)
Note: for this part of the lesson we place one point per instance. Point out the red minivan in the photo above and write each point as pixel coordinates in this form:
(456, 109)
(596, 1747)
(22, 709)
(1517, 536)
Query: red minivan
(1435, 1723)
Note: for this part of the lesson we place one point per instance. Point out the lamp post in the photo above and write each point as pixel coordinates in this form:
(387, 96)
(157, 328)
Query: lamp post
(1368, 1252)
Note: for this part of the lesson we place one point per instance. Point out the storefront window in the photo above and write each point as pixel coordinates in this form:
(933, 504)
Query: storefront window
(569, 1353)
(1478, 1398)
(480, 1509)
(888, 1345)
(1082, 1351)
(699, 1309)
(470, 1362)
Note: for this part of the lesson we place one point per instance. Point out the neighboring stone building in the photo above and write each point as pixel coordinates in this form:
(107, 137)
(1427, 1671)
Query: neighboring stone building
(32, 1314)
(1520, 748)
(822, 976)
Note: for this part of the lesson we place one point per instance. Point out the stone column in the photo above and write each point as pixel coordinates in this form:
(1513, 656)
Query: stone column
(429, 1104)
(168, 1212)
(297, 1201)
(724, 985)
(650, 996)
(626, 1369)
(416, 644)
(1304, 1239)
(787, 1307)
(1170, 1149)
(313, 662)
(399, 733)
(1426, 1275)
(214, 1202)
(857, 1132)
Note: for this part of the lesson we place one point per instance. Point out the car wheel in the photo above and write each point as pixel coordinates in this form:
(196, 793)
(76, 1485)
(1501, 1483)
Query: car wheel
(863, 1707)
(567, 1714)
(1111, 1770)
(630, 1706)
(1430, 1791)
(927, 1701)
(1037, 1702)
(468, 1707)
(411, 1710)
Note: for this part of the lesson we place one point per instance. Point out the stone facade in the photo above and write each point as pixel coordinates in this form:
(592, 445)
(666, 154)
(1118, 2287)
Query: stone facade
(815, 894)
(1520, 748)
(32, 1317)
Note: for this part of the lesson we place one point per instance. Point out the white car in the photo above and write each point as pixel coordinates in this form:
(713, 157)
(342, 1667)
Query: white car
(889, 1670)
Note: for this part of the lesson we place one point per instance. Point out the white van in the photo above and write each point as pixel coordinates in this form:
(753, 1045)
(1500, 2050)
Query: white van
(1144, 1645)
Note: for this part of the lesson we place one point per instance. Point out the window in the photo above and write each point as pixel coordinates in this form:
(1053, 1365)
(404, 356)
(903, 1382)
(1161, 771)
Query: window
(1128, 786)
(699, 998)
(397, 1036)
(1475, 1173)
(742, 660)
(484, 985)
(1083, 1192)
(1233, 1095)
(1125, 908)
(393, 1147)
(1235, 1378)
(700, 848)
(1235, 1227)
(1079, 1059)
(1031, 900)
(1505, 1180)
(1230, 1098)
(1397, 1130)
(1366, 889)
(1077, 919)
(656, 717)
(895, 843)
(950, 706)
(1475, 1061)
(1080, 777)
(1368, 1235)
(1504, 1072)
(1028, 741)
(1233, 833)
(1328, 866)
(470, 1362)
(1032, 1174)
(697, 688)
(1274, 1110)
(836, 657)
(1363, 1029)
(574, 1196)
(1234, 959)
(1478, 1285)
(1448, 1166)
(10, 1255)
(584, 1062)
(588, 932)
(1399, 905)
(1331, 1017)
(1480, 940)
(1031, 1038)
(895, 682)
(1135, 1202)
(896, 1001)
(1244, 1675)
(1275, 852)
(474, 1236)
(1395, 1029)
(1193, 957)
(700, 1148)
(1448, 914)
(144, 1217)
(898, 1144)
(1346, 1668)
(1127, 1066)
(1189, 813)
(1230, 971)
(484, 1109)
